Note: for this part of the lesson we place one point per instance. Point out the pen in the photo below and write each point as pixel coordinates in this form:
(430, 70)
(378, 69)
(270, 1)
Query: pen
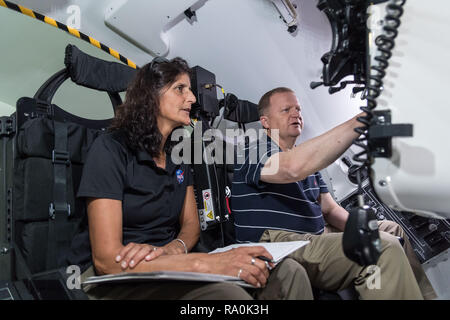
(265, 259)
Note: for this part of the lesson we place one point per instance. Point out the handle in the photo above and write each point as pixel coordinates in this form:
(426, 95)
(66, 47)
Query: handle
(47, 91)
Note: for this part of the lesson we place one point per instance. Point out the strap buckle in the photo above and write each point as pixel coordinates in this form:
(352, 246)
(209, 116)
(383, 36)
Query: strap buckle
(52, 211)
(60, 157)
(6, 126)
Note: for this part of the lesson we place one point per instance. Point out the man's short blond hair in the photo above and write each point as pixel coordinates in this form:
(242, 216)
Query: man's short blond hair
(264, 102)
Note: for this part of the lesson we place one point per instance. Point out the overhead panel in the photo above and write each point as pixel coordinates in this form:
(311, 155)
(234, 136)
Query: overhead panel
(143, 22)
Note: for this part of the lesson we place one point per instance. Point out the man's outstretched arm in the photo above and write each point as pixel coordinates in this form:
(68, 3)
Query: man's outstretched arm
(312, 155)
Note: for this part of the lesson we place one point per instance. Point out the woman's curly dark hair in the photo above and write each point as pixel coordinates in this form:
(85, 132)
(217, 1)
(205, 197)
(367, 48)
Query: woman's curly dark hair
(137, 116)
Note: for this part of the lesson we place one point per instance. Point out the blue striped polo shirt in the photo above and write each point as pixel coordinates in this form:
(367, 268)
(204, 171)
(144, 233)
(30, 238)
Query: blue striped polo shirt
(257, 205)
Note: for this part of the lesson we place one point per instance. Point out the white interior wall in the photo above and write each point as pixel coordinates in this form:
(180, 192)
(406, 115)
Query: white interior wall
(92, 22)
(6, 109)
(247, 47)
(31, 52)
(243, 42)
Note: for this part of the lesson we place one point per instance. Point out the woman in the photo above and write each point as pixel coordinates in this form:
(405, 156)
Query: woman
(142, 214)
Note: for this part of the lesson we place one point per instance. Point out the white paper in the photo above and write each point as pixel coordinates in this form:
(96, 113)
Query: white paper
(278, 250)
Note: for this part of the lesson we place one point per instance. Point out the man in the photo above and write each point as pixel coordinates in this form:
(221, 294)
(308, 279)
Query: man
(282, 197)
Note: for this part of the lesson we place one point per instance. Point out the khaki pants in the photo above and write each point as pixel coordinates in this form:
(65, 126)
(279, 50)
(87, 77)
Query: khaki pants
(329, 269)
(396, 230)
(287, 281)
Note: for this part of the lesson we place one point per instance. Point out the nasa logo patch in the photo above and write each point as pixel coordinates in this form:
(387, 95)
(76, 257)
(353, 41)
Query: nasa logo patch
(180, 176)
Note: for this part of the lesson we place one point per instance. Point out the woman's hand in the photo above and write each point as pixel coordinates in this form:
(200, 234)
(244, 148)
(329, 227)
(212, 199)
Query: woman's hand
(243, 263)
(134, 253)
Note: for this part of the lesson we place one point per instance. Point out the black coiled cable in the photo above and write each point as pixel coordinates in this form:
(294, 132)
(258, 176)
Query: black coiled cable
(385, 44)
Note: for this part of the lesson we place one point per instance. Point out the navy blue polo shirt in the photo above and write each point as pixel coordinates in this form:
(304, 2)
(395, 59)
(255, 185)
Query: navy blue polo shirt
(152, 197)
(257, 205)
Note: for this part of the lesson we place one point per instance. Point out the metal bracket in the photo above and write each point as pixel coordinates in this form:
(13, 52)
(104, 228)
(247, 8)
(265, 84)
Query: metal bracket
(288, 13)
(381, 132)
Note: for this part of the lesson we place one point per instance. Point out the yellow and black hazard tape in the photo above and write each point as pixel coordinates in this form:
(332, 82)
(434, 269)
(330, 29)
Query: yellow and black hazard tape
(66, 28)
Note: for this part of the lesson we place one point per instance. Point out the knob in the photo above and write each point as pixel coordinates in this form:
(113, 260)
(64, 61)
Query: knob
(315, 84)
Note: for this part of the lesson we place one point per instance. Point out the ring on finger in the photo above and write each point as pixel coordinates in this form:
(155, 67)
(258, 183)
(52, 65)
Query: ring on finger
(253, 261)
(155, 248)
(239, 273)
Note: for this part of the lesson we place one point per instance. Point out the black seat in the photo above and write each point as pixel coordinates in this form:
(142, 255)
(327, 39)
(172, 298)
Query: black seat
(48, 151)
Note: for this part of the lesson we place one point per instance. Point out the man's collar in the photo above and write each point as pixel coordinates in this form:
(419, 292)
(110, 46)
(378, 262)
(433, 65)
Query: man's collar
(270, 141)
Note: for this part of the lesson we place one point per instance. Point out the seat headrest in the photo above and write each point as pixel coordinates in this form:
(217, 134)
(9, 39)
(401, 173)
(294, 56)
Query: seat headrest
(108, 76)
